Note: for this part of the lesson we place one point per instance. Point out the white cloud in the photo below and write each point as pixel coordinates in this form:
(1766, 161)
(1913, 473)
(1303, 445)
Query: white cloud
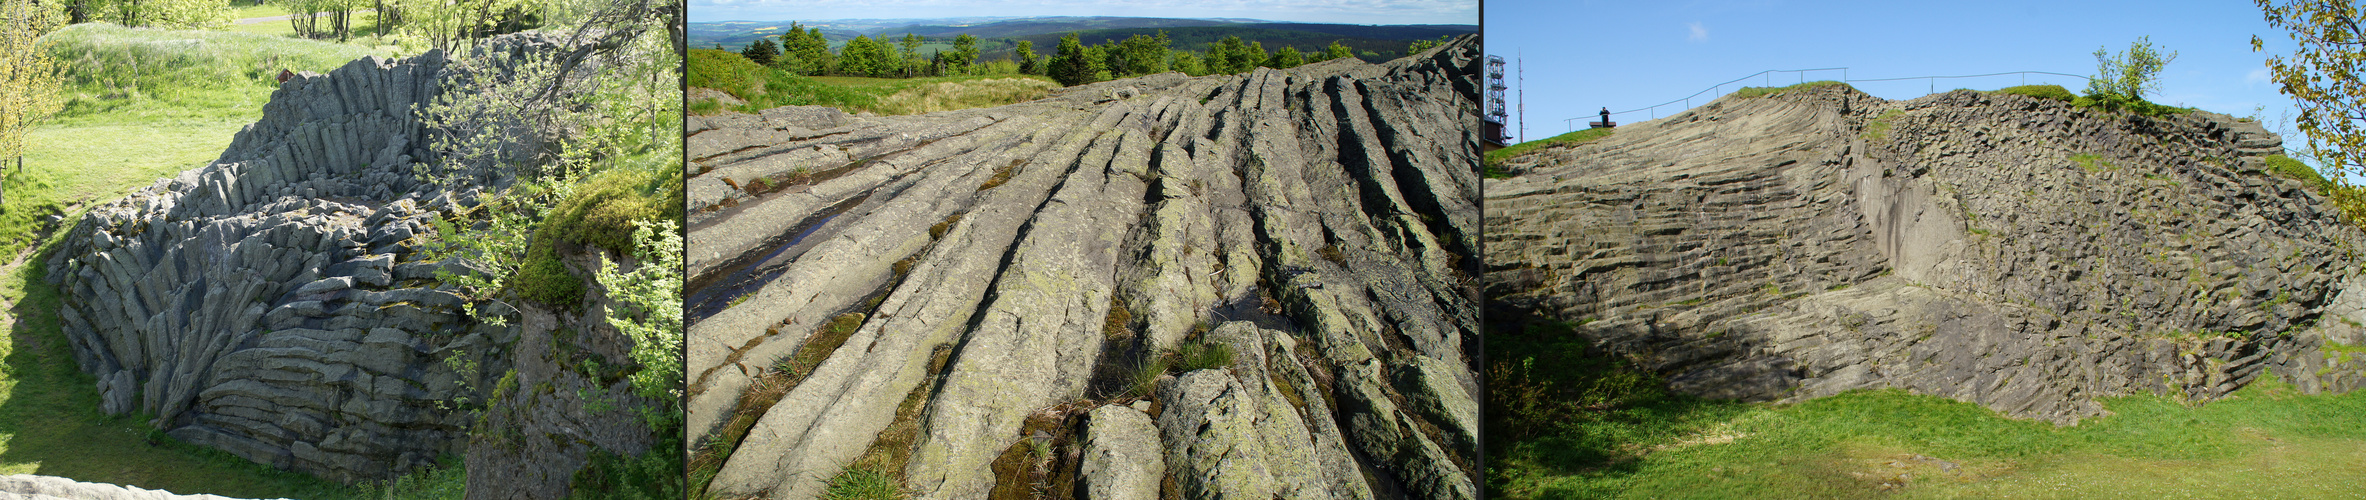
(2257, 75)
(1699, 33)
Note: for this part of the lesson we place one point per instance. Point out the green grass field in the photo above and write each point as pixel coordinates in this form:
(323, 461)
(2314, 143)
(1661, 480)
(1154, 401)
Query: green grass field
(766, 88)
(2266, 441)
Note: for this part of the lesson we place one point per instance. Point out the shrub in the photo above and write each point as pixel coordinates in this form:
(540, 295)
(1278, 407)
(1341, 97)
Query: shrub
(602, 210)
(725, 71)
(545, 279)
(2055, 92)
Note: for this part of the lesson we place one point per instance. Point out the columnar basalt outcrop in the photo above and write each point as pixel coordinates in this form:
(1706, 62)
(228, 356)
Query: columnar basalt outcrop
(2010, 251)
(1011, 263)
(273, 303)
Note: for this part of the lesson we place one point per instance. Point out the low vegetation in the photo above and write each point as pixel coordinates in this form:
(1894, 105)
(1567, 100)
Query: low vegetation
(1591, 426)
(2055, 92)
(1879, 129)
(115, 73)
(765, 88)
(2293, 169)
(1495, 158)
(1756, 92)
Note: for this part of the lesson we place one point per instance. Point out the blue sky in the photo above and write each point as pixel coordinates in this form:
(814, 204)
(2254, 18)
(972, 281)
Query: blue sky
(1583, 55)
(1315, 11)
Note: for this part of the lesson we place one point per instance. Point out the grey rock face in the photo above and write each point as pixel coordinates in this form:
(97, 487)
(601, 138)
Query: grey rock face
(550, 417)
(32, 487)
(2009, 251)
(271, 304)
(1121, 455)
(1327, 212)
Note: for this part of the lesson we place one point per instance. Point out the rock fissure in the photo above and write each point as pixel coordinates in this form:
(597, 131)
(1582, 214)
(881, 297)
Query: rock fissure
(2016, 252)
(1168, 196)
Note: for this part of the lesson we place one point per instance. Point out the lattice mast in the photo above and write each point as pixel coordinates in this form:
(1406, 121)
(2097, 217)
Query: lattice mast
(1496, 116)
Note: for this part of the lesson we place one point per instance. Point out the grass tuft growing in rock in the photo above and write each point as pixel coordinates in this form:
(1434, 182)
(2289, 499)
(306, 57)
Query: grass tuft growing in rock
(1142, 376)
(1195, 356)
(862, 484)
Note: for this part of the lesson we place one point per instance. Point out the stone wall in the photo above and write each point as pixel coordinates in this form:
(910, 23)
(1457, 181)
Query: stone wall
(2010, 251)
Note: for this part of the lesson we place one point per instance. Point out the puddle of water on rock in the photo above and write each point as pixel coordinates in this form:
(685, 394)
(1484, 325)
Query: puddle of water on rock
(713, 296)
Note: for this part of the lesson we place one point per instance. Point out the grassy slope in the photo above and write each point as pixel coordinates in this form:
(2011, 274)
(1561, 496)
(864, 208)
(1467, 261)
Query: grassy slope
(122, 130)
(766, 88)
(1577, 424)
(1572, 138)
(2266, 442)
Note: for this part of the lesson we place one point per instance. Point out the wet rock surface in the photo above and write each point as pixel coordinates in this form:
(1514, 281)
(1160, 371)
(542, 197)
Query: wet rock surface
(274, 304)
(1320, 222)
(2014, 252)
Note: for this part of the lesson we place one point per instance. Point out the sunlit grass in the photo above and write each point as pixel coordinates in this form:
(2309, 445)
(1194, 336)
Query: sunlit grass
(766, 88)
(2265, 442)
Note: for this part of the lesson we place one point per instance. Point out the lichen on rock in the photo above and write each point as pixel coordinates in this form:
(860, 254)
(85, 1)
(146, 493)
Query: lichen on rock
(1327, 212)
(2015, 252)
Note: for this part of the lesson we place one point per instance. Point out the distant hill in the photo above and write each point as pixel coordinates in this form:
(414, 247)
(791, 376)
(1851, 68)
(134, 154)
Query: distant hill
(1387, 41)
(1003, 32)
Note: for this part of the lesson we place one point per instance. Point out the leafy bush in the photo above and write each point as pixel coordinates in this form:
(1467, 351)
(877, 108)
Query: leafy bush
(545, 279)
(726, 71)
(603, 209)
(1551, 377)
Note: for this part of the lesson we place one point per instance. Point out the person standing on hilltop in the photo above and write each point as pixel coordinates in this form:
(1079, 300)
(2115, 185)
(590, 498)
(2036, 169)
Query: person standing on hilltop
(1605, 116)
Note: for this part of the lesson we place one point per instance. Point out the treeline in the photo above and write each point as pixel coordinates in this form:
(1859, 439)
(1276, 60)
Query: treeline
(426, 23)
(804, 51)
(138, 13)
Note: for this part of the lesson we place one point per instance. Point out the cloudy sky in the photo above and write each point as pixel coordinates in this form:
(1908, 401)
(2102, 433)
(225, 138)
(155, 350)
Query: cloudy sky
(1583, 55)
(1316, 11)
